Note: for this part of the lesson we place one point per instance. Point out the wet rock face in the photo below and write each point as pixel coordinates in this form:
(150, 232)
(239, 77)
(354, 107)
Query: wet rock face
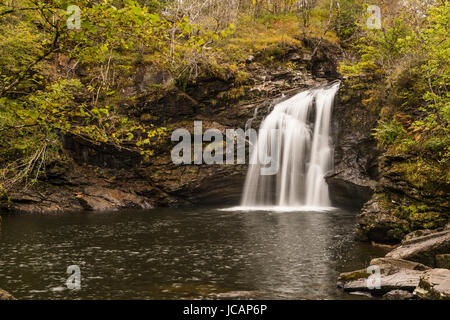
(85, 188)
(353, 180)
(348, 192)
(58, 199)
(104, 199)
(378, 224)
(100, 154)
(197, 184)
(400, 205)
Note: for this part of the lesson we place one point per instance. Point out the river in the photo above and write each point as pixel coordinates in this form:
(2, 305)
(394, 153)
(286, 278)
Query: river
(181, 254)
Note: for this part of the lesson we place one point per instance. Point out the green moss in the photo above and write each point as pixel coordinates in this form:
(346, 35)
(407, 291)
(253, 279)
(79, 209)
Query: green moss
(426, 220)
(345, 98)
(423, 173)
(360, 274)
(419, 216)
(430, 292)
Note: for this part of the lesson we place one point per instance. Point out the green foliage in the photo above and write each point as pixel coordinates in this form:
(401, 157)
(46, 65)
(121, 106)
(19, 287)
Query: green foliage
(345, 22)
(420, 217)
(42, 97)
(404, 67)
(388, 132)
(55, 81)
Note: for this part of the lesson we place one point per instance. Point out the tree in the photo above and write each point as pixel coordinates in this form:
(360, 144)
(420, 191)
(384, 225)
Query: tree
(41, 99)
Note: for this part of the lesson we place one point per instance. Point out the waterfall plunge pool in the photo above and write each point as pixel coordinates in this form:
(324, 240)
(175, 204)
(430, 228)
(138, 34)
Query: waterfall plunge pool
(197, 253)
(281, 208)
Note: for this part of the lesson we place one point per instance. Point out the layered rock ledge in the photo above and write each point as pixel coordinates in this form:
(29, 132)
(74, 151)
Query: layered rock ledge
(414, 270)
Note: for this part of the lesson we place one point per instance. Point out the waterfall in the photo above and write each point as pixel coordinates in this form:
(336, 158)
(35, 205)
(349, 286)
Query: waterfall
(297, 135)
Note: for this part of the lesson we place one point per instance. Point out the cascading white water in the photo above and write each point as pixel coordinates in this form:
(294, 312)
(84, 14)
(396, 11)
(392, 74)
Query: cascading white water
(303, 150)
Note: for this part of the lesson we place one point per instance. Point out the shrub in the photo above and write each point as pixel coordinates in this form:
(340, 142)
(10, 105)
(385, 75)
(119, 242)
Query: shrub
(387, 132)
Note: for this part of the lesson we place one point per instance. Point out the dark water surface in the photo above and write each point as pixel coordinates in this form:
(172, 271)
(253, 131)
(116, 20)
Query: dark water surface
(181, 253)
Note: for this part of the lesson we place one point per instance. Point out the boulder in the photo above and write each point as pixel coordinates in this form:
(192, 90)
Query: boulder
(398, 295)
(349, 191)
(422, 235)
(399, 263)
(395, 274)
(5, 295)
(378, 224)
(416, 234)
(424, 248)
(407, 269)
(443, 261)
(434, 285)
(401, 279)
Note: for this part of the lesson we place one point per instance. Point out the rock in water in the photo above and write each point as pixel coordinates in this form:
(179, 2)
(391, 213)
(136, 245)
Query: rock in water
(5, 295)
(403, 270)
(399, 263)
(423, 249)
(434, 285)
(398, 295)
(400, 279)
(395, 274)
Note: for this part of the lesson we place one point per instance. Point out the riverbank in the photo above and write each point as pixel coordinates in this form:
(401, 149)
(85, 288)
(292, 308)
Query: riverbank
(417, 269)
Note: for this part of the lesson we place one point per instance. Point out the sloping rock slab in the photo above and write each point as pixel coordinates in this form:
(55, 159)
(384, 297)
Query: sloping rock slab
(423, 249)
(402, 279)
(399, 263)
(395, 274)
(434, 285)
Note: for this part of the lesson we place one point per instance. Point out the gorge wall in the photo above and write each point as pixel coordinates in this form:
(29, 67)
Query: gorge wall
(101, 177)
